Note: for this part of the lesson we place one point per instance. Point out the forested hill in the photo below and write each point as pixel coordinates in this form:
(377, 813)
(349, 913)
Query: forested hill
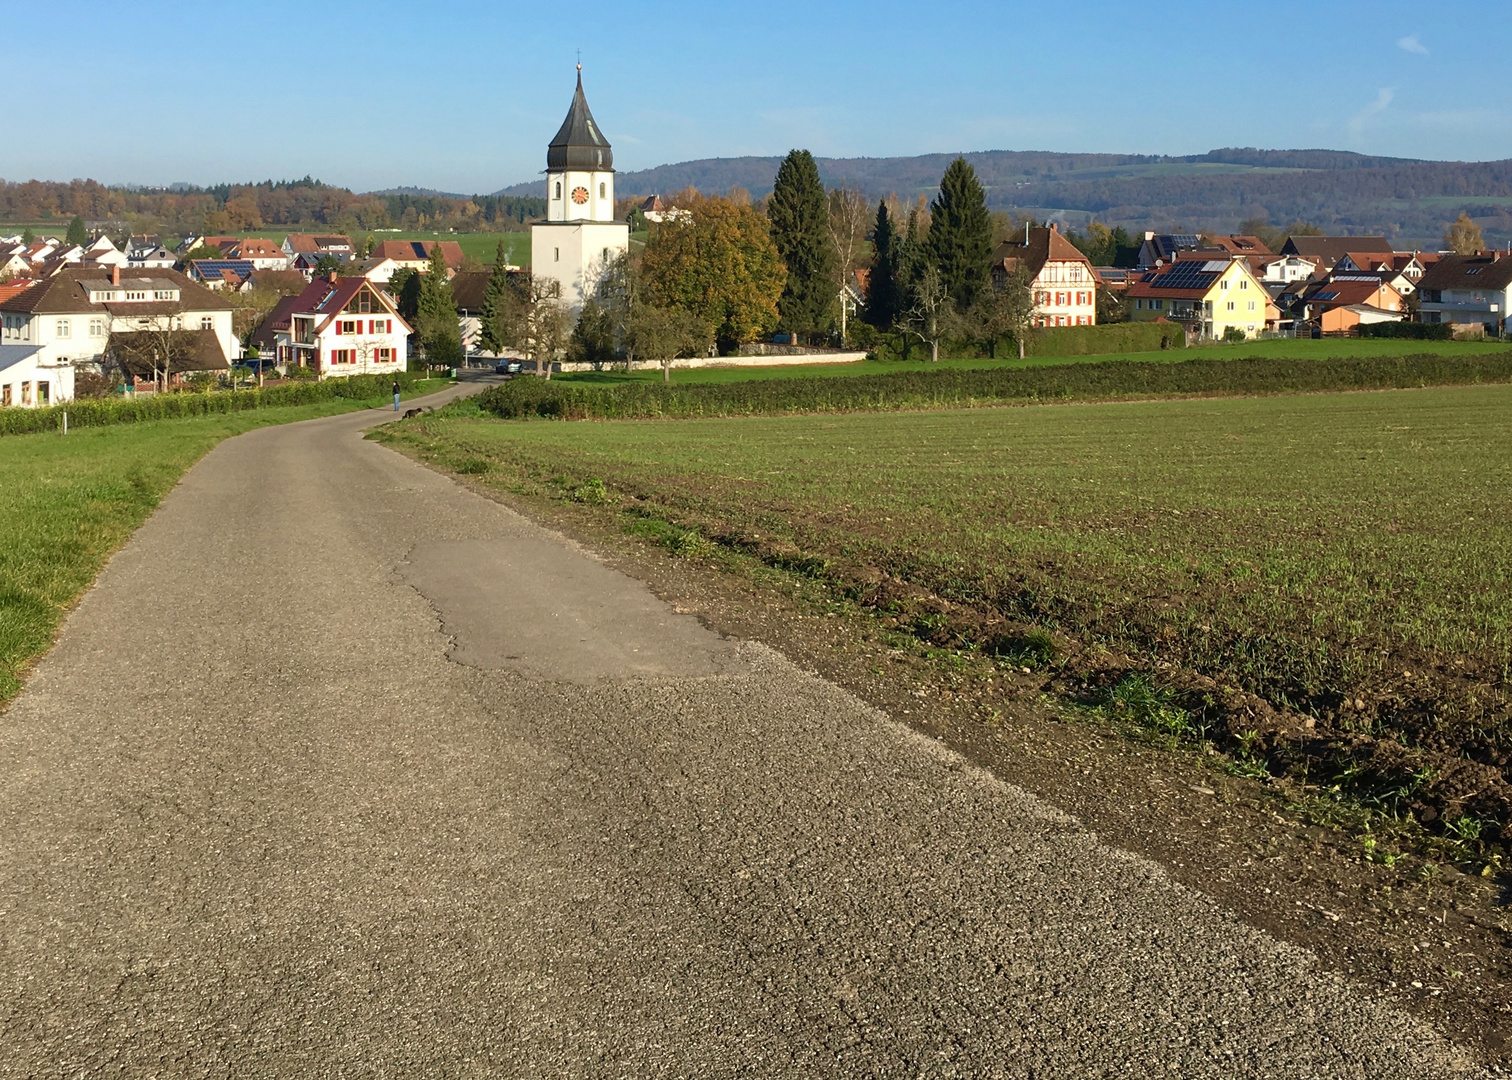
(1406, 199)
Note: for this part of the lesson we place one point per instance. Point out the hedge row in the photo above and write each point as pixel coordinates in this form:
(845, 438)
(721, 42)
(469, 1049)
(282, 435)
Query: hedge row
(1107, 339)
(131, 410)
(958, 388)
(1410, 330)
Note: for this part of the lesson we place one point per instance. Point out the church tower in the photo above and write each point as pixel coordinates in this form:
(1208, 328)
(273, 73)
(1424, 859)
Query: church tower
(579, 237)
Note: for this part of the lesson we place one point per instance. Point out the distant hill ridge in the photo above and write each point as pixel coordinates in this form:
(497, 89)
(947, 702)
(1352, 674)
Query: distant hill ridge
(1407, 199)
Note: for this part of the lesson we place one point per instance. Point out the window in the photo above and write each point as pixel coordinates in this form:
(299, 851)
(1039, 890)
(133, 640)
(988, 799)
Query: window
(43, 397)
(1252, 305)
(1160, 305)
(1244, 283)
(1223, 285)
(385, 355)
(62, 329)
(1472, 271)
(1139, 305)
(25, 393)
(349, 326)
(136, 296)
(342, 356)
(558, 194)
(603, 191)
(96, 327)
(1231, 305)
(5, 394)
(161, 294)
(556, 254)
(207, 322)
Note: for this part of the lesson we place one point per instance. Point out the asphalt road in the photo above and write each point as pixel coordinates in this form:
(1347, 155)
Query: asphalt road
(343, 771)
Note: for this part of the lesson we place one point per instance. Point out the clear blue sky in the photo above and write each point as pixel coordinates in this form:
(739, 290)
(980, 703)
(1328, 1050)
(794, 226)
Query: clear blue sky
(463, 96)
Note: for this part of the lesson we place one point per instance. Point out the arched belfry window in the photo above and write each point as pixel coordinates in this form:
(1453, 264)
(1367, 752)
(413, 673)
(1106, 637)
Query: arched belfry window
(559, 189)
(602, 189)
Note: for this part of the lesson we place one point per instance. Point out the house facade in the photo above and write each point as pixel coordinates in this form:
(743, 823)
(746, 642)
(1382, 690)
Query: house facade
(29, 381)
(1209, 296)
(1468, 291)
(71, 317)
(1064, 283)
(338, 326)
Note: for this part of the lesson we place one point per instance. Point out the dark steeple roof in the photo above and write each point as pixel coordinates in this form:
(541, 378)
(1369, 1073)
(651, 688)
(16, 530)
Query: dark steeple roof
(580, 144)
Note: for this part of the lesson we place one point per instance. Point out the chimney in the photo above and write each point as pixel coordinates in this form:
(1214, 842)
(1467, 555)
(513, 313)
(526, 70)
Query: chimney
(115, 275)
(331, 277)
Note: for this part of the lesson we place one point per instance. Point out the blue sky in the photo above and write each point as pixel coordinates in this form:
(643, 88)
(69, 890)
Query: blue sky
(463, 96)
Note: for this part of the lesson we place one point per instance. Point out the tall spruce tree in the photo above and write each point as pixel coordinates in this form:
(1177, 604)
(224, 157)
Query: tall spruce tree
(882, 289)
(436, 314)
(495, 298)
(78, 233)
(960, 234)
(799, 216)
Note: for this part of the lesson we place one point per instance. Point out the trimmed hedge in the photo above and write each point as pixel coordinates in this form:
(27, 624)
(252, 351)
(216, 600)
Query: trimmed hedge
(1413, 331)
(956, 388)
(1107, 339)
(131, 410)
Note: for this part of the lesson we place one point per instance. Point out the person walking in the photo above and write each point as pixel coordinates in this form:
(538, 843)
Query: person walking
(396, 395)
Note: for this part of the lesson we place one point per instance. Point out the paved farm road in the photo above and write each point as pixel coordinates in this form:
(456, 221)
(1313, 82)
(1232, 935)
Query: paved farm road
(343, 771)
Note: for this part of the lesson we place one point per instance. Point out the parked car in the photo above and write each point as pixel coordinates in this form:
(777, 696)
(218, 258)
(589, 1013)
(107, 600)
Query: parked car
(507, 367)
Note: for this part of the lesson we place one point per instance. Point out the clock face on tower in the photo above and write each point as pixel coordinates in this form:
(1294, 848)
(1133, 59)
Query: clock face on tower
(580, 195)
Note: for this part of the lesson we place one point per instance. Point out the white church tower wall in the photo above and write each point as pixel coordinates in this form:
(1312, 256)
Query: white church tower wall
(579, 237)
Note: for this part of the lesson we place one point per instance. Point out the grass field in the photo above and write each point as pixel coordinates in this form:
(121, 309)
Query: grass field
(68, 503)
(1345, 555)
(1323, 349)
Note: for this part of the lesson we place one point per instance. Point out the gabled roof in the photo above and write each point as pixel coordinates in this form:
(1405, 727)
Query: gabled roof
(1185, 279)
(238, 270)
(1333, 248)
(326, 296)
(1345, 291)
(301, 242)
(1493, 272)
(1240, 245)
(66, 293)
(254, 247)
(419, 251)
(468, 289)
(1044, 246)
(580, 144)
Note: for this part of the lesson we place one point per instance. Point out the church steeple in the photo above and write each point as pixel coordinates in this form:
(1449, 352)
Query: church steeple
(580, 144)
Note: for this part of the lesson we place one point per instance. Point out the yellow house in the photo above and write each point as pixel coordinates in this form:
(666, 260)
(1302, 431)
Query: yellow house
(1210, 296)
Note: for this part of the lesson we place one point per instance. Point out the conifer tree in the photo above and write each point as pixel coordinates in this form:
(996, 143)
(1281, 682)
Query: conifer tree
(495, 297)
(77, 232)
(960, 234)
(799, 215)
(436, 314)
(882, 293)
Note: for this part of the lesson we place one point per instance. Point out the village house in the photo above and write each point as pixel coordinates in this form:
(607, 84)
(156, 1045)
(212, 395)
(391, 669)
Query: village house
(234, 275)
(72, 317)
(1471, 292)
(1345, 301)
(416, 254)
(338, 326)
(1063, 282)
(262, 254)
(1286, 269)
(1209, 296)
(336, 245)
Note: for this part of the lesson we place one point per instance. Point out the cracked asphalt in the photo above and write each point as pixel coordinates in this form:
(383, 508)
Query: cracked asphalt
(342, 770)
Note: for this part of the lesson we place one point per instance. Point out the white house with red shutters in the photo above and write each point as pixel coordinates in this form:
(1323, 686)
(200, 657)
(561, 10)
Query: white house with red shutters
(1062, 279)
(338, 326)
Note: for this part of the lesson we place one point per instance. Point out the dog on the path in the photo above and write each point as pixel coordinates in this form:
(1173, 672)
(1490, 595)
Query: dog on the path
(412, 413)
